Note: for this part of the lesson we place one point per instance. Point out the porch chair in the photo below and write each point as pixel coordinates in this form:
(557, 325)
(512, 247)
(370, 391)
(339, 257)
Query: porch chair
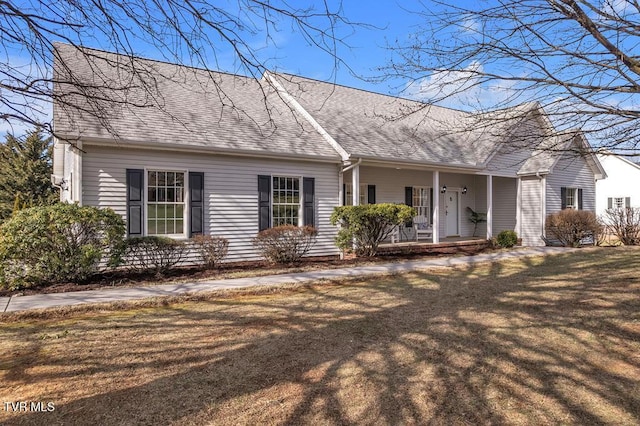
(422, 227)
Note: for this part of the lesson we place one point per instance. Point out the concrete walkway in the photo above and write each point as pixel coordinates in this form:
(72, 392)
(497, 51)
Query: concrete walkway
(43, 301)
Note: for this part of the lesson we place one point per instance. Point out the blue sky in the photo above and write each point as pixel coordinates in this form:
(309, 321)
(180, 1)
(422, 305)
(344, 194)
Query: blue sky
(384, 23)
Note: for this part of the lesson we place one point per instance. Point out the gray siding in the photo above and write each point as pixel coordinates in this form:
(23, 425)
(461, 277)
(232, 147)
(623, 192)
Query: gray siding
(531, 211)
(572, 172)
(517, 150)
(505, 193)
(231, 195)
(390, 182)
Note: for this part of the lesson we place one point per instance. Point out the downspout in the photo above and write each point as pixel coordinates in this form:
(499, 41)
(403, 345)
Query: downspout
(341, 181)
(543, 202)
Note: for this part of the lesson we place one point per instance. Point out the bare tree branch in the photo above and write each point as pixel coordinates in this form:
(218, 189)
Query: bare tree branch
(576, 58)
(202, 34)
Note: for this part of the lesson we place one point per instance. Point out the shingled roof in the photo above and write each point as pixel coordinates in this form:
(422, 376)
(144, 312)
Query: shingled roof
(107, 96)
(167, 104)
(375, 126)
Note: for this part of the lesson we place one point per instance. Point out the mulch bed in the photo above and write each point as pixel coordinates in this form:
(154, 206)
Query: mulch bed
(233, 270)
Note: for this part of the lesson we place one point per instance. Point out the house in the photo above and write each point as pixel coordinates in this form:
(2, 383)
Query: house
(620, 189)
(179, 151)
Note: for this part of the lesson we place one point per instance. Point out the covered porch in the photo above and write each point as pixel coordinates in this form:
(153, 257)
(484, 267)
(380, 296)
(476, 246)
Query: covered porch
(444, 196)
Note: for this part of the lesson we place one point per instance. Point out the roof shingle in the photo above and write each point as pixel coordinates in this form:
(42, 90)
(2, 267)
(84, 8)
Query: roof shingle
(138, 100)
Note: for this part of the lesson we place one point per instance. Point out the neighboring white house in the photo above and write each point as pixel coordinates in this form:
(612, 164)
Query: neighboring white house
(621, 188)
(221, 154)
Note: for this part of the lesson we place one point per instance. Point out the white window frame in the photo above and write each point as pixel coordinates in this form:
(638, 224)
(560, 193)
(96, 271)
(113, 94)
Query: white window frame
(422, 209)
(574, 195)
(185, 201)
(617, 202)
(348, 194)
(300, 198)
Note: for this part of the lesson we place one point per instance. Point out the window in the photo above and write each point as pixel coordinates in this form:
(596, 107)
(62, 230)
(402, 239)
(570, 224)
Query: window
(572, 198)
(157, 203)
(348, 194)
(420, 201)
(285, 201)
(618, 203)
(165, 203)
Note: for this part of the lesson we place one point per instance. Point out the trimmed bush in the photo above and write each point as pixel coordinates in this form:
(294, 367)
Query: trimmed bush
(154, 254)
(367, 226)
(58, 243)
(624, 224)
(571, 227)
(507, 239)
(211, 249)
(285, 244)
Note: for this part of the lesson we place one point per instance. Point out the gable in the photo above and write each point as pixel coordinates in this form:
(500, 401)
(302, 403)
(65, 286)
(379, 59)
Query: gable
(553, 148)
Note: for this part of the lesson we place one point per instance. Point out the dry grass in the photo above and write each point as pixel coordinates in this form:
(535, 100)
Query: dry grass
(551, 340)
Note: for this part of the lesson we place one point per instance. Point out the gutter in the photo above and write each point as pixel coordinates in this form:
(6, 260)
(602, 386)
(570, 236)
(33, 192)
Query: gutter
(113, 143)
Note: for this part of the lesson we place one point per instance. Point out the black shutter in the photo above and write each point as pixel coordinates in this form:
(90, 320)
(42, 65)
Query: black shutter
(371, 194)
(627, 202)
(264, 202)
(344, 194)
(135, 201)
(408, 195)
(431, 205)
(609, 203)
(309, 191)
(563, 198)
(408, 200)
(579, 198)
(196, 203)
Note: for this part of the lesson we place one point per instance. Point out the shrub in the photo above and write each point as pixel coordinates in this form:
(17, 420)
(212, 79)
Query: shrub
(507, 239)
(367, 226)
(62, 242)
(285, 244)
(624, 224)
(154, 254)
(211, 249)
(571, 227)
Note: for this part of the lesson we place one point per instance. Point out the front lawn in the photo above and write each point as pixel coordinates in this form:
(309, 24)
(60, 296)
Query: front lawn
(552, 340)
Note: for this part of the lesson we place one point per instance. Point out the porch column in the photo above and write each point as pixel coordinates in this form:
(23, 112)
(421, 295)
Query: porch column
(355, 184)
(341, 188)
(435, 214)
(489, 207)
(519, 209)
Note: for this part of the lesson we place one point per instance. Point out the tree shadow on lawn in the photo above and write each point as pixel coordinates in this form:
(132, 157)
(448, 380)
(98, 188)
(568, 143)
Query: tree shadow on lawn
(546, 342)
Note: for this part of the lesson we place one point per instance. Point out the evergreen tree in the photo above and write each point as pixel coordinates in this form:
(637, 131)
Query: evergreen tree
(25, 172)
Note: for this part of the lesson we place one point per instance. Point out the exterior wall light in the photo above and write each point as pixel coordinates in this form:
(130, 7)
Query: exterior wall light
(464, 190)
(443, 189)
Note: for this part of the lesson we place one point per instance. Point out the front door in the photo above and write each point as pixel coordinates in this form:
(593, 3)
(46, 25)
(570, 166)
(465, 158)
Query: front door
(451, 212)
